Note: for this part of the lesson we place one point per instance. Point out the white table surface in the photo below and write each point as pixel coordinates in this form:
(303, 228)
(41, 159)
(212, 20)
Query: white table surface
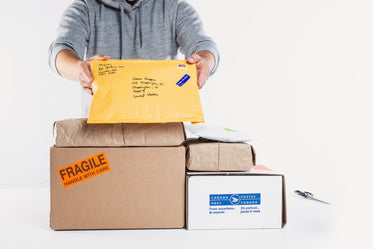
(24, 223)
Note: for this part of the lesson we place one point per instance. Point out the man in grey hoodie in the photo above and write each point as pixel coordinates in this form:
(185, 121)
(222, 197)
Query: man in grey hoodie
(129, 29)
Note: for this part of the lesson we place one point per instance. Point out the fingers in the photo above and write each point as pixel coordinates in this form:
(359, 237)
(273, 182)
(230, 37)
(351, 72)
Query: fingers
(85, 72)
(203, 69)
(88, 90)
(85, 75)
(202, 77)
(87, 86)
(194, 58)
(84, 82)
(99, 57)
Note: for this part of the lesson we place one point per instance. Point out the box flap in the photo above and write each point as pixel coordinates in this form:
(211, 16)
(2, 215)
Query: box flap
(77, 133)
(284, 210)
(232, 173)
(153, 134)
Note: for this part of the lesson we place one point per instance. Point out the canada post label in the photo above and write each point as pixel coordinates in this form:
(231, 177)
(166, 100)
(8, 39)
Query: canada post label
(83, 170)
(234, 199)
(234, 204)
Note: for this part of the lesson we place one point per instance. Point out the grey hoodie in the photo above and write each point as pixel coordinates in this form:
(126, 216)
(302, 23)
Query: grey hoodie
(150, 29)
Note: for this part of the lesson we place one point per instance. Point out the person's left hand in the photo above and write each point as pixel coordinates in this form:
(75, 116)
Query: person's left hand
(204, 61)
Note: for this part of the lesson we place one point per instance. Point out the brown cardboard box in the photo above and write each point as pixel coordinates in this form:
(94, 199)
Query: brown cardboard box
(77, 133)
(145, 188)
(207, 155)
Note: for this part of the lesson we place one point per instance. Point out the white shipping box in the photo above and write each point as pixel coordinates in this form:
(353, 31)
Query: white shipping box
(235, 200)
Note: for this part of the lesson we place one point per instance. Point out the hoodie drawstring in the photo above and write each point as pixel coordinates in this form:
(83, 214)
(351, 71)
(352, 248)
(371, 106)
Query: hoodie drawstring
(140, 24)
(122, 30)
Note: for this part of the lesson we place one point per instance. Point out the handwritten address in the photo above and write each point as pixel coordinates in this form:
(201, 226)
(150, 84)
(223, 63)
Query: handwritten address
(141, 86)
(107, 69)
(145, 87)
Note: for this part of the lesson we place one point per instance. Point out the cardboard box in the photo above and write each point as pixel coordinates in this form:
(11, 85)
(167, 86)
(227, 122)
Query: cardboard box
(134, 187)
(237, 200)
(77, 133)
(207, 155)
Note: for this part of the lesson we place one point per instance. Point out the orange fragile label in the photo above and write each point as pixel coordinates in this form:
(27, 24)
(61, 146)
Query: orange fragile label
(84, 170)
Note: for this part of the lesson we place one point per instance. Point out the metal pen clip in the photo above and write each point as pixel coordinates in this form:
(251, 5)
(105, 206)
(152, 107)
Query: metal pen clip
(309, 195)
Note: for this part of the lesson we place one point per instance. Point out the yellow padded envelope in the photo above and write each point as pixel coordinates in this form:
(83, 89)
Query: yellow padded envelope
(144, 91)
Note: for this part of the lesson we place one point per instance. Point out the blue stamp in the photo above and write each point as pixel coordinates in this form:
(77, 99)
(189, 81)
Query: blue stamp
(234, 199)
(183, 80)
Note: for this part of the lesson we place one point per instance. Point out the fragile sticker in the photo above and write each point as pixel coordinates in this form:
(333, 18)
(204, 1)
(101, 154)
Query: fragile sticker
(183, 80)
(84, 170)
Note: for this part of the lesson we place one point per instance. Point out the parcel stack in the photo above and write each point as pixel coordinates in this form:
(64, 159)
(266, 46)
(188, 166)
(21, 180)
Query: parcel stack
(130, 165)
(125, 176)
(117, 176)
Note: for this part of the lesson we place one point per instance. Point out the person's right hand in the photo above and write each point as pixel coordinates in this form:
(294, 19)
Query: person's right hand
(85, 75)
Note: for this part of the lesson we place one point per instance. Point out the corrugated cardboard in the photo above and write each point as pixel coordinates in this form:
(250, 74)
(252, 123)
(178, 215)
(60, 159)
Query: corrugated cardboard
(145, 188)
(235, 200)
(207, 155)
(77, 133)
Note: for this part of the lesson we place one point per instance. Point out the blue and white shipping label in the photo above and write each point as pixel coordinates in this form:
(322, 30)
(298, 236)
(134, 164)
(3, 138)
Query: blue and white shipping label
(234, 203)
(234, 199)
(183, 80)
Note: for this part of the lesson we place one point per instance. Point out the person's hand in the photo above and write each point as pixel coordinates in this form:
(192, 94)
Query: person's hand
(85, 76)
(204, 61)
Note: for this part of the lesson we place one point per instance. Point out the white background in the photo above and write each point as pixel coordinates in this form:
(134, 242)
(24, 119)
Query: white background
(294, 74)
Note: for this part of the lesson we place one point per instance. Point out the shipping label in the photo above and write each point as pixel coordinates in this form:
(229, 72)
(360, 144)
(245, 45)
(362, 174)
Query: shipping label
(248, 203)
(83, 170)
(183, 80)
